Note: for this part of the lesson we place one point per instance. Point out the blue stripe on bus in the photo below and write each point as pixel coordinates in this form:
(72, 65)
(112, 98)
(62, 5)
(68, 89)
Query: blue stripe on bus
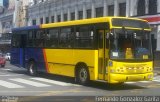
(21, 56)
(15, 56)
(37, 55)
(26, 28)
(21, 61)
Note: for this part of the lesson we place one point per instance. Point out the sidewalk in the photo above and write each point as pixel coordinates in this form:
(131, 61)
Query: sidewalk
(156, 71)
(156, 68)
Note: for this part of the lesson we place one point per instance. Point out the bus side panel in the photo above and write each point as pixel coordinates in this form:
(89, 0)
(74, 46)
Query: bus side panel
(37, 55)
(63, 61)
(17, 57)
(60, 61)
(90, 58)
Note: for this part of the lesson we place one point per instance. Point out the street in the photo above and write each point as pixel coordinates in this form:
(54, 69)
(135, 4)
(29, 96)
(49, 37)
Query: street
(14, 81)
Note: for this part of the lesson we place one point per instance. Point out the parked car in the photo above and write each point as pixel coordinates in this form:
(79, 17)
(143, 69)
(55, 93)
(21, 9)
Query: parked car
(2, 60)
(8, 56)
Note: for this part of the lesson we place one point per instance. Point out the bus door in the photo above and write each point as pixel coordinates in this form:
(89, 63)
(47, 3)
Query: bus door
(22, 50)
(17, 51)
(103, 45)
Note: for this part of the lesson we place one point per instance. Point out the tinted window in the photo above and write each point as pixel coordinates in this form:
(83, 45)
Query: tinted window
(31, 37)
(39, 38)
(84, 37)
(16, 40)
(66, 38)
(130, 23)
(19, 39)
(52, 38)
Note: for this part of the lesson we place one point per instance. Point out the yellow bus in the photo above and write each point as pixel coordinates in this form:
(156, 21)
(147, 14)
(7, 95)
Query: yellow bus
(110, 49)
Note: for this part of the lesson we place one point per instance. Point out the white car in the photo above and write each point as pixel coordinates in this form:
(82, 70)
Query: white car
(8, 56)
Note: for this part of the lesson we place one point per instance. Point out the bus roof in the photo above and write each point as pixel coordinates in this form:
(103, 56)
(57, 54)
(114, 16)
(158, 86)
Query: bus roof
(26, 28)
(76, 22)
(91, 21)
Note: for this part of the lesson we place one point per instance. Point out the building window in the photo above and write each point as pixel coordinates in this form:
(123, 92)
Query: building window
(72, 16)
(89, 13)
(80, 14)
(35, 1)
(111, 10)
(65, 17)
(47, 20)
(34, 22)
(52, 19)
(141, 8)
(58, 18)
(152, 7)
(122, 9)
(99, 12)
(41, 20)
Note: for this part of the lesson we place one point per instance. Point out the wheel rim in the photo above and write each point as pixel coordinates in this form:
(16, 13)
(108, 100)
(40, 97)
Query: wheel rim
(31, 69)
(83, 75)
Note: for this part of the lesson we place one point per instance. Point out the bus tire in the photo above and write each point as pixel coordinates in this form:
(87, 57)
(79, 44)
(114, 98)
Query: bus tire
(82, 75)
(32, 68)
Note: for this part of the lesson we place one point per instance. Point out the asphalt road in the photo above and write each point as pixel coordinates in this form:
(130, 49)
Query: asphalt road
(15, 82)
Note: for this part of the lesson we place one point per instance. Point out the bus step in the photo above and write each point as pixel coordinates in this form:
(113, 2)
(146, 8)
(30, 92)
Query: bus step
(104, 81)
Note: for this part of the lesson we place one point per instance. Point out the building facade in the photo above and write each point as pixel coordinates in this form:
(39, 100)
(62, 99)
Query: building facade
(12, 14)
(45, 11)
(6, 15)
(6, 24)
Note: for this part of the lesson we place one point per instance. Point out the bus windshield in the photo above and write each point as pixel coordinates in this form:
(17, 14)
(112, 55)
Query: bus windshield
(130, 45)
(119, 22)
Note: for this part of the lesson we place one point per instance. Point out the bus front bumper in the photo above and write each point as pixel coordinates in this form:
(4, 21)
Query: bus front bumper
(120, 78)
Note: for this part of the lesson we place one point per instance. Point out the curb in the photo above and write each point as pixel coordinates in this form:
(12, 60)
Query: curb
(157, 73)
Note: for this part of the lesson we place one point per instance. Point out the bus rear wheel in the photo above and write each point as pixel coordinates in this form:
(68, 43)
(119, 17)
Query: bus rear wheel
(82, 75)
(32, 68)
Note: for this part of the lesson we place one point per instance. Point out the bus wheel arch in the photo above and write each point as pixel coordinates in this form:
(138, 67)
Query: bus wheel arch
(31, 67)
(82, 75)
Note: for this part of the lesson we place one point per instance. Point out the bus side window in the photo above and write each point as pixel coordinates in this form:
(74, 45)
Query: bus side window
(16, 40)
(39, 38)
(66, 37)
(30, 39)
(84, 37)
(52, 38)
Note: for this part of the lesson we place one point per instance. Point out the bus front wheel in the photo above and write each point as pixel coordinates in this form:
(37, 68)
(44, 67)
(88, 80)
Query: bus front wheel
(32, 68)
(82, 75)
